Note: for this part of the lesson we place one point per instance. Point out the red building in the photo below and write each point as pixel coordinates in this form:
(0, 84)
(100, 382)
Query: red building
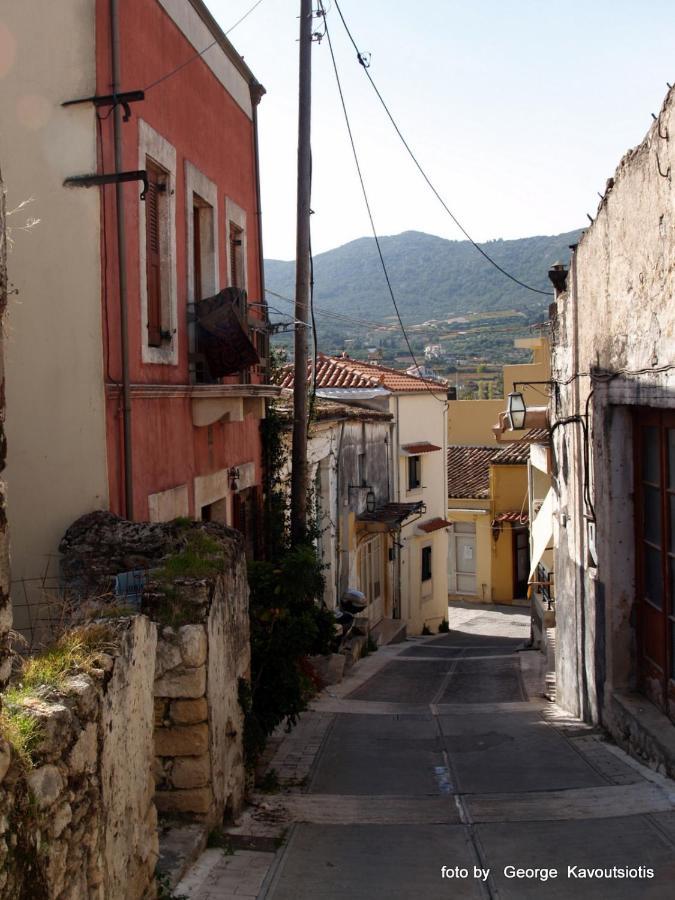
(193, 435)
(125, 389)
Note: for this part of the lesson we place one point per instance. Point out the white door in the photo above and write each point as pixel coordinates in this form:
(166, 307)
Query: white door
(371, 578)
(462, 558)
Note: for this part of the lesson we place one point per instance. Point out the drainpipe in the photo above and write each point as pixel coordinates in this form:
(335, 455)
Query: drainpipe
(122, 266)
(257, 92)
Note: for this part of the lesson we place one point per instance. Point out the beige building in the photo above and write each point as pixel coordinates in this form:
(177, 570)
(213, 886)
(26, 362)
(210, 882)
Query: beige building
(404, 536)
(491, 557)
(613, 425)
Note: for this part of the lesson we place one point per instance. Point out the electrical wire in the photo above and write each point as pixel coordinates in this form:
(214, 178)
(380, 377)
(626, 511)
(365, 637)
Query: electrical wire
(369, 211)
(201, 52)
(364, 63)
(322, 311)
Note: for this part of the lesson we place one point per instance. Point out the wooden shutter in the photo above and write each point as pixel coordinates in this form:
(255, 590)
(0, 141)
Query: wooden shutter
(156, 184)
(235, 256)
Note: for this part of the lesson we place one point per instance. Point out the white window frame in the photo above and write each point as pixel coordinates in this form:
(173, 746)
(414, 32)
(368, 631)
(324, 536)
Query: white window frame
(196, 183)
(237, 216)
(152, 144)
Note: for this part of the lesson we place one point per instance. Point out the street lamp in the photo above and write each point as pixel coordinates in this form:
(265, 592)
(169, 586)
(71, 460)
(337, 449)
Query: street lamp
(516, 410)
(370, 501)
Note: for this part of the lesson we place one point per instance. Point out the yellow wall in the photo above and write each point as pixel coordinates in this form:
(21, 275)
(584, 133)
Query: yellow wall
(502, 566)
(470, 421)
(508, 488)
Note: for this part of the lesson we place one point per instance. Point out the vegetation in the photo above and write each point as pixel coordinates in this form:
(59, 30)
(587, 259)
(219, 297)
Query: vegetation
(288, 622)
(78, 650)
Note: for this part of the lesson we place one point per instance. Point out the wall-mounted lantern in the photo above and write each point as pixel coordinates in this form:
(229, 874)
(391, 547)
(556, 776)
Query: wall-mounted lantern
(233, 473)
(370, 501)
(515, 410)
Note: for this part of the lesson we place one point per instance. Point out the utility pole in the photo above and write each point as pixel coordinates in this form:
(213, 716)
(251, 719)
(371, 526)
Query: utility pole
(302, 286)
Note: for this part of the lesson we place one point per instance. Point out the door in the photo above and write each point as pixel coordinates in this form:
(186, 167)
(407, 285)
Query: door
(521, 562)
(654, 441)
(462, 558)
(371, 578)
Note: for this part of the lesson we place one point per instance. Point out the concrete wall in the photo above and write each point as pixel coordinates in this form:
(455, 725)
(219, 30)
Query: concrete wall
(81, 822)
(617, 314)
(56, 464)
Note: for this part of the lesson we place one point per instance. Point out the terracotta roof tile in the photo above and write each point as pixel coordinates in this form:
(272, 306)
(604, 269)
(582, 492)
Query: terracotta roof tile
(419, 447)
(336, 372)
(326, 410)
(469, 471)
(434, 525)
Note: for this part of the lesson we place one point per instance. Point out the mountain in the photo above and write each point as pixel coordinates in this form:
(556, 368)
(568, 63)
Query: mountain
(432, 277)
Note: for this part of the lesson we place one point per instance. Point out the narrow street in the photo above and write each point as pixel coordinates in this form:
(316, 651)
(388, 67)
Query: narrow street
(437, 758)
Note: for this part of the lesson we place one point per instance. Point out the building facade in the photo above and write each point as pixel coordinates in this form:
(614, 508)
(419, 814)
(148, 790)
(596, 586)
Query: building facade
(138, 397)
(406, 530)
(613, 427)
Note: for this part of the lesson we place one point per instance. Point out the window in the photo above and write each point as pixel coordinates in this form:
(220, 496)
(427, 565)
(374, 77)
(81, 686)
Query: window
(202, 255)
(655, 554)
(236, 248)
(426, 563)
(414, 472)
(371, 577)
(155, 216)
(157, 249)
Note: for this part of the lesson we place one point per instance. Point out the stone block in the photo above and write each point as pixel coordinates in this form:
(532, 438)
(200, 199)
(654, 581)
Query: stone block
(182, 683)
(84, 753)
(197, 801)
(168, 658)
(193, 644)
(329, 669)
(5, 758)
(191, 771)
(182, 740)
(46, 784)
(161, 711)
(55, 723)
(62, 818)
(84, 692)
(189, 712)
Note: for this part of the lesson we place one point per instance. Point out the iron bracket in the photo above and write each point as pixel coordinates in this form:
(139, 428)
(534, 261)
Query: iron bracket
(112, 178)
(124, 99)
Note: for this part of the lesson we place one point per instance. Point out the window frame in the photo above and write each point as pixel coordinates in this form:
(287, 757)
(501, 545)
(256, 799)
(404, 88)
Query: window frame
(414, 465)
(152, 146)
(426, 563)
(236, 216)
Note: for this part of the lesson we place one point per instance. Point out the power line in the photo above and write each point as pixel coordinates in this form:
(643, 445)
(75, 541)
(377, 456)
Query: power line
(365, 63)
(201, 52)
(322, 311)
(367, 203)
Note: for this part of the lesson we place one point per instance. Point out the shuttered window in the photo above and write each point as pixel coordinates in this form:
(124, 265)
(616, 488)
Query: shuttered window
(153, 242)
(236, 256)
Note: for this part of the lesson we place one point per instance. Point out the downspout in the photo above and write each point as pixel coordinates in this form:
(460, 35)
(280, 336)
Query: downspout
(257, 92)
(122, 266)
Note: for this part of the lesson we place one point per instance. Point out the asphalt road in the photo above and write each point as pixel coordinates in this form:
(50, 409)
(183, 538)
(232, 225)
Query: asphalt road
(438, 777)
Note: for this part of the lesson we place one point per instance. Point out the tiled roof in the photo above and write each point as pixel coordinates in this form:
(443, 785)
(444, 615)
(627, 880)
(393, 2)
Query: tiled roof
(514, 517)
(336, 372)
(518, 452)
(469, 471)
(433, 525)
(419, 447)
(326, 410)
(392, 514)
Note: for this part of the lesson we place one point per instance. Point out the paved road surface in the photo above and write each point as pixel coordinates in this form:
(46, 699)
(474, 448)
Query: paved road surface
(431, 766)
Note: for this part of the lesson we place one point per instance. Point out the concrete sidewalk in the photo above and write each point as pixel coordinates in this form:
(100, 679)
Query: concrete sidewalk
(434, 762)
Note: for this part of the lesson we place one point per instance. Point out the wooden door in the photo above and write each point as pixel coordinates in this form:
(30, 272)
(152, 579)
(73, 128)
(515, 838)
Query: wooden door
(654, 441)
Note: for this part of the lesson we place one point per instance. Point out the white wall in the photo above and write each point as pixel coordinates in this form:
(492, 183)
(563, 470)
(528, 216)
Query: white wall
(55, 403)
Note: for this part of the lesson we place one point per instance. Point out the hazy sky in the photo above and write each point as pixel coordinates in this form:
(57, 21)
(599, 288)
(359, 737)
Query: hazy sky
(518, 110)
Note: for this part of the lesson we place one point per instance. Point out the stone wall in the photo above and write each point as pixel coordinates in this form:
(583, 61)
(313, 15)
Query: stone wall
(81, 822)
(199, 762)
(617, 316)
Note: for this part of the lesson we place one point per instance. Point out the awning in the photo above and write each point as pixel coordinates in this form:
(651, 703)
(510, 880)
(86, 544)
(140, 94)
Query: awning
(513, 518)
(389, 516)
(419, 447)
(221, 337)
(431, 525)
(542, 532)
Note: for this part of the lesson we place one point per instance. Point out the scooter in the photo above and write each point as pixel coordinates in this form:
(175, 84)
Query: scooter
(350, 605)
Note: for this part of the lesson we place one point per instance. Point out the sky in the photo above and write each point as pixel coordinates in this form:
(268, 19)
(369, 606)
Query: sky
(518, 111)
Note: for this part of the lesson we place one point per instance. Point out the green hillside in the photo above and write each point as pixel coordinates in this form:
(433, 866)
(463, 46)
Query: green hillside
(433, 278)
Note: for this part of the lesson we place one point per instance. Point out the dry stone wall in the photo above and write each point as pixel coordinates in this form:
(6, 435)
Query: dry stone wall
(82, 823)
(5, 608)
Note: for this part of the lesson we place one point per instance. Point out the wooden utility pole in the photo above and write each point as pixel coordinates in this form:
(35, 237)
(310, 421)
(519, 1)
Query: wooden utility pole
(302, 279)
